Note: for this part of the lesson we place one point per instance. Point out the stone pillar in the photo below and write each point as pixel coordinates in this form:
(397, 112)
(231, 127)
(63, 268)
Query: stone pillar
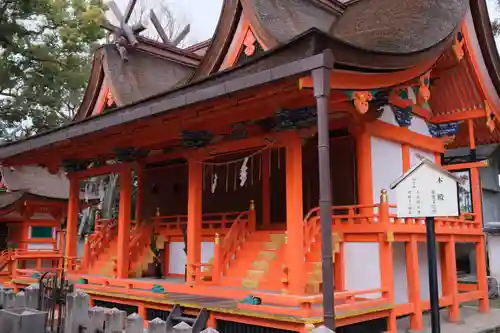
(32, 296)
(77, 311)
(134, 324)
(20, 300)
(157, 326)
(114, 319)
(96, 319)
(8, 299)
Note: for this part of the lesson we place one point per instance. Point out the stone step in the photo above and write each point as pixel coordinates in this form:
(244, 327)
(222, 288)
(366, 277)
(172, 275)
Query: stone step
(260, 265)
(250, 283)
(255, 274)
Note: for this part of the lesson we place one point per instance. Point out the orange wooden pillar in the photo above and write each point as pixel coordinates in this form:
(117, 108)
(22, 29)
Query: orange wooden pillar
(449, 276)
(124, 223)
(294, 215)
(413, 283)
(386, 259)
(195, 182)
(138, 203)
(482, 279)
(72, 221)
(364, 168)
(266, 188)
(405, 152)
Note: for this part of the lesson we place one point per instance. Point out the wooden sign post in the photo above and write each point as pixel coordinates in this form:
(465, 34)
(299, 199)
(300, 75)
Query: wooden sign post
(428, 191)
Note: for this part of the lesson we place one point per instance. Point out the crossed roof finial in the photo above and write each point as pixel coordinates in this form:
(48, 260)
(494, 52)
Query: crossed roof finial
(126, 34)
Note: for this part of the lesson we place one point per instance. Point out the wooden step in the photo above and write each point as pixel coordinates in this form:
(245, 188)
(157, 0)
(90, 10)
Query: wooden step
(260, 265)
(250, 283)
(255, 274)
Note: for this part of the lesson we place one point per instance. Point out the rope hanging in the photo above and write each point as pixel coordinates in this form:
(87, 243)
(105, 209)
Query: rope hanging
(239, 160)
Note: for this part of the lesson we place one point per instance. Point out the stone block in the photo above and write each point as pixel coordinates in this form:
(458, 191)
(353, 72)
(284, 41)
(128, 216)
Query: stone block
(134, 324)
(157, 326)
(32, 293)
(20, 300)
(114, 320)
(8, 299)
(322, 329)
(96, 319)
(77, 311)
(22, 320)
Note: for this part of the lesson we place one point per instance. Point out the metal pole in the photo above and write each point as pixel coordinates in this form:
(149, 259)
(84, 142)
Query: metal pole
(433, 278)
(321, 79)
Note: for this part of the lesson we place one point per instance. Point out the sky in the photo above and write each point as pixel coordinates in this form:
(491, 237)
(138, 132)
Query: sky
(201, 14)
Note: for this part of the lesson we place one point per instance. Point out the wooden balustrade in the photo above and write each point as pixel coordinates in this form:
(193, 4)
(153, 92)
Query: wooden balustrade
(104, 232)
(220, 222)
(382, 217)
(234, 239)
(217, 263)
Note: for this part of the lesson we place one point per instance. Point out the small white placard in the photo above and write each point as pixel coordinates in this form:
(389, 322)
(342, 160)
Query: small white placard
(427, 190)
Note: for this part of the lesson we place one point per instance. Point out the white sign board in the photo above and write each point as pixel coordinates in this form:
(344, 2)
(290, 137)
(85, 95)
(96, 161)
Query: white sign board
(426, 190)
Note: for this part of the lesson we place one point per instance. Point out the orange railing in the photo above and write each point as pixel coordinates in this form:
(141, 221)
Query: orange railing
(227, 250)
(363, 218)
(140, 239)
(104, 232)
(382, 217)
(465, 223)
(220, 222)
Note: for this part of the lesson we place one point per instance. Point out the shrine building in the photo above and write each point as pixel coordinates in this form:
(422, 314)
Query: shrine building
(216, 150)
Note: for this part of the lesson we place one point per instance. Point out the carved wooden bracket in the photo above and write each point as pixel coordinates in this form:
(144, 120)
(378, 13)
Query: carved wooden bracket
(424, 92)
(109, 99)
(490, 117)
(458, 46)
(361, 100)
(249, 43)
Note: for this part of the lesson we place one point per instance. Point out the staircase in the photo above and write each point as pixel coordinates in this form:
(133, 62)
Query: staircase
(177, 321)
(4, 259)
(258, 263)
(103, 251)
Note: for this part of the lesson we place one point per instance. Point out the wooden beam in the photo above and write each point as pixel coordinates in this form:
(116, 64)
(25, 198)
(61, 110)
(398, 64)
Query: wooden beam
(159, 28)
(101, 170)
(148, 132)
(394, 99)
(182, 35)
(129, 10)
(341, 79)
(458, 116)
(467, 165)
(402, 135)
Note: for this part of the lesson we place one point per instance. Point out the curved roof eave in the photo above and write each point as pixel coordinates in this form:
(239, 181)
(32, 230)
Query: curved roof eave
(486, 43)
(93, 87)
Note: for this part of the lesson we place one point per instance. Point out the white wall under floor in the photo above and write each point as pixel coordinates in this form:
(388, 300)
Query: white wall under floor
(494, 255)
(177, 259)
(400, 276)
(362, 266)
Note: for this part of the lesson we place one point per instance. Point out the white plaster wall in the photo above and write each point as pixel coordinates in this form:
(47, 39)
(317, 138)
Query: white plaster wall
(40, 246)
(177, 260)
(387, 166)
(207, 252)
(400, 277)
(424, 271)
(414, 159)
(362, 267)
(494, 255)
(388, 116)
(419, 126)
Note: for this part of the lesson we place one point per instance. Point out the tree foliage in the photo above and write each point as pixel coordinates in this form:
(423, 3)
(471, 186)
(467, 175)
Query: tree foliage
(45, 58)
